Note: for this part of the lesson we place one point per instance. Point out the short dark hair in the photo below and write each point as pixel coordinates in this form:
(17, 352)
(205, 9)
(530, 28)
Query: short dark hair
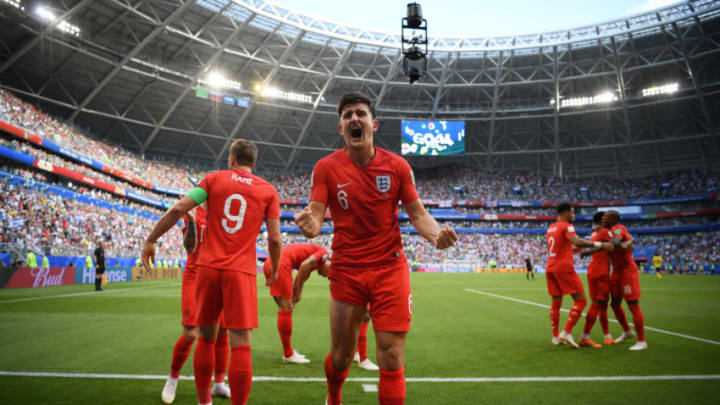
(597, 218)
(355, 98)
(564, 207)
(245, 152)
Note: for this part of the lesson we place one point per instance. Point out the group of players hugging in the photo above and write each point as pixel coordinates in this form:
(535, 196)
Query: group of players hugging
(362, 185)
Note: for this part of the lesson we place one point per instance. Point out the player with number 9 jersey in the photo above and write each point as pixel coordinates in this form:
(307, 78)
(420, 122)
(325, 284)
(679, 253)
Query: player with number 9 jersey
(238, 201)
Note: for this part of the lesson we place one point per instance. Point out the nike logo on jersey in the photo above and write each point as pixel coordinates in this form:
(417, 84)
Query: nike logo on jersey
(343, 185)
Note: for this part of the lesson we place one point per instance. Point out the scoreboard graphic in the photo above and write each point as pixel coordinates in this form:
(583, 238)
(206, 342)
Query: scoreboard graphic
(433, 138)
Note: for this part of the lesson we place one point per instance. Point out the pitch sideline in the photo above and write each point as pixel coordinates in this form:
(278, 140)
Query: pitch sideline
(375, 379)
(667, 332)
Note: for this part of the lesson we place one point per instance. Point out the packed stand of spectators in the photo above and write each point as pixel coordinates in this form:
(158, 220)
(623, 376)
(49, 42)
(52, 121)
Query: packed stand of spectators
(54, 225)
(68, 164)
(439, 184)
(24, 115)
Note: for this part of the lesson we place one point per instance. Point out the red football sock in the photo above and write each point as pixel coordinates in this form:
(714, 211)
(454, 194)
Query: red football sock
(638, 320)
(362, 340)
(335, 380)
(575, 314)
(555, 316)
(602, 315)
(284, 326)
(222, 352)
(203, 362)
(181, 351)
(590, 318)
(620, 315)
(240, 374)
(391, 390)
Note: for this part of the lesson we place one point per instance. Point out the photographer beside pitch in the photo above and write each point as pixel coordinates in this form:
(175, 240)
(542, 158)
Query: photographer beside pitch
(363, 185)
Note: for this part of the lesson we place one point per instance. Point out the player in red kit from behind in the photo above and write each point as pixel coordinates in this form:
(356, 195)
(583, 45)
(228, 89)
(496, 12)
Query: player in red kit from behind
(237, 202)
(363, 185)
(598, 275)
(560, 272)
(305, 257)
(625, 281)
(194, 231)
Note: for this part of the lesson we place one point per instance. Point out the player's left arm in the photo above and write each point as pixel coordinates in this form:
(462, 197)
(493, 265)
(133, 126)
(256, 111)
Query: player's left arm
(428, 227)
(167, 221)
(272, 221)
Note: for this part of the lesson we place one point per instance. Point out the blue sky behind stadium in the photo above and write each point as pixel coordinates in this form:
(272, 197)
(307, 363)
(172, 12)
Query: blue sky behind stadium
(476, 18)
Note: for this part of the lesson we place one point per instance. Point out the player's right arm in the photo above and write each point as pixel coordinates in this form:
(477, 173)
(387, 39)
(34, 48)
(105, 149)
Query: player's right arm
(310, 219)
(167, 221)
(580, 242)
(272, 221)
(306, 267)
(190, 238)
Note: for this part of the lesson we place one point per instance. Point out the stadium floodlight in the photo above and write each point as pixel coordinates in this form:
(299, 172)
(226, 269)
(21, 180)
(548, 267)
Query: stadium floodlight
(217, 81)
(605, 97)
(64, 26)
(274, 92)
(664, 89)
(14, 3)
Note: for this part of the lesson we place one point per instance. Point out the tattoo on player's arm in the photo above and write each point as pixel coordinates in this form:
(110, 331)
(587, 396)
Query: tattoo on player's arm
(189, 240)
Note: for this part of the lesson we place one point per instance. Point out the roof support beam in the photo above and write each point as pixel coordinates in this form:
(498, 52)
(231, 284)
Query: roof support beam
(30, 44)
(266, 82)
(187, 89)
(308, 123)
(139, 47)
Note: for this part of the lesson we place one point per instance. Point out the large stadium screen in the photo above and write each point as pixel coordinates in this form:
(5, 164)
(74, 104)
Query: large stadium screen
(433, 138)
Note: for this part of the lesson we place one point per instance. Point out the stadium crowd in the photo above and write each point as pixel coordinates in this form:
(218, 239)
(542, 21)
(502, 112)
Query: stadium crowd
(47, 223)
(68, 164)
(21, 114)
(448, 183)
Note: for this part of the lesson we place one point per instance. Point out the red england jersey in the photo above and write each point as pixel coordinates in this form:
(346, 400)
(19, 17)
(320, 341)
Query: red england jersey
(600, 262)
(363, 205)
(622, 259)
(200, 225)
(294, 255)
(560, 250)
(237, 202)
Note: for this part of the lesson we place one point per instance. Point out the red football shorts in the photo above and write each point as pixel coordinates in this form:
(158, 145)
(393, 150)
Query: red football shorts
(189, 307)
(563, 283)
(385, 289)
(231, 293)
(599, 286)
(283, 287)
(625, 284)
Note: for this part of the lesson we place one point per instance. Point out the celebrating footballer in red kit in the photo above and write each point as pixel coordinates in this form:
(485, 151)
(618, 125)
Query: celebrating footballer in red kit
(306, 258)
(363, 185)
(560, 272)
(625, 281)
(237, 202)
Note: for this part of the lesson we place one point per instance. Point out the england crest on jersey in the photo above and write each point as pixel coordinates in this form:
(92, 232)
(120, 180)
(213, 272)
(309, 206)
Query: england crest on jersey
(382, 183)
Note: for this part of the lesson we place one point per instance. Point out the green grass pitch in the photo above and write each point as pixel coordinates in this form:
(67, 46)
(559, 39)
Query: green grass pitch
(130, 329)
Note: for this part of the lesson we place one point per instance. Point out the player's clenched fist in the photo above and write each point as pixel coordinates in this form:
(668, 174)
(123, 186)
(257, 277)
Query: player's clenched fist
(307, 223)
(446, 238)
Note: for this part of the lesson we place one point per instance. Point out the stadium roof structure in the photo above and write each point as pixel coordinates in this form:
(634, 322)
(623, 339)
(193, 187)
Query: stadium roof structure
(633, 96)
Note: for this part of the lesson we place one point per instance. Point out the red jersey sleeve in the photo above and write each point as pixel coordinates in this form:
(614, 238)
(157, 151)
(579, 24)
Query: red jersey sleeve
(319, 191)
(408, 193)
(272, 210)
(569, 231)
(319, 253)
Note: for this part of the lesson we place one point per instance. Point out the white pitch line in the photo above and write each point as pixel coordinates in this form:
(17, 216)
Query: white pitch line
(95, 293)
(370, 388)
(375, 379)
(667, 332)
